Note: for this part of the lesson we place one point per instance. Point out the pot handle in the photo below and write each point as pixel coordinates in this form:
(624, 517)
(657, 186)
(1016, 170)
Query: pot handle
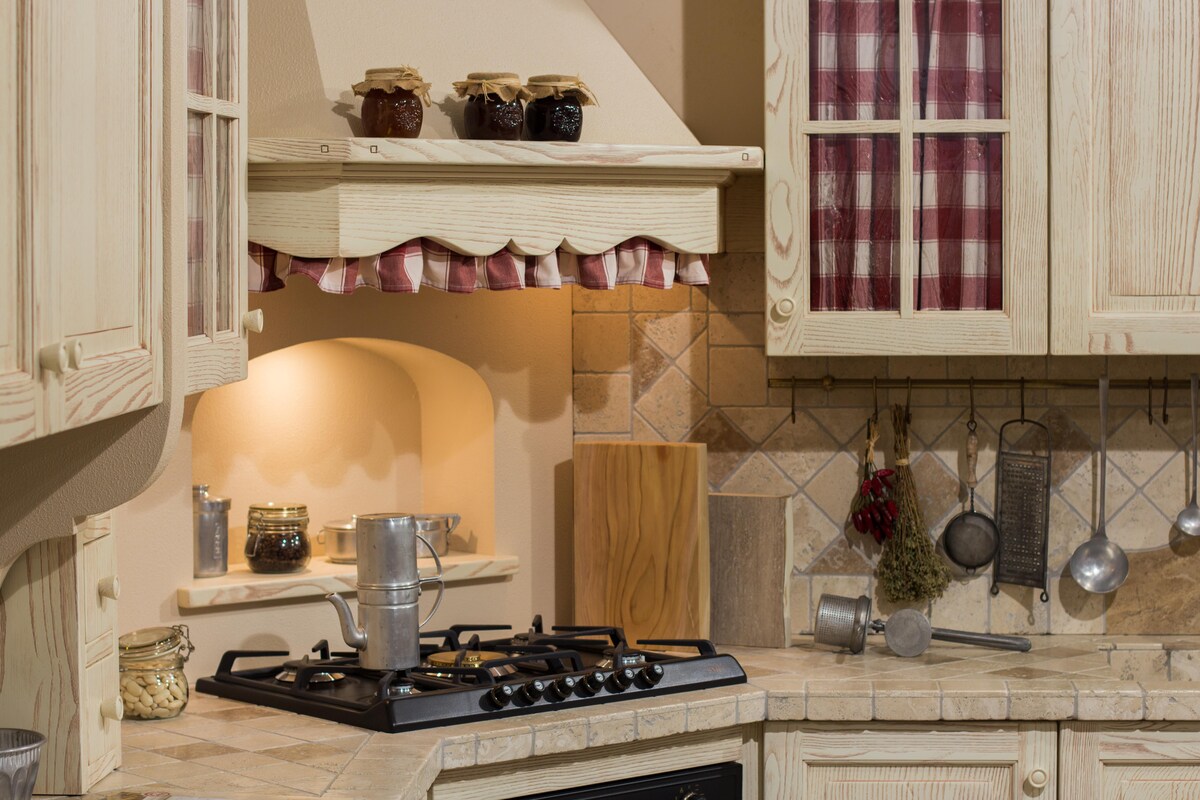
(439, 579)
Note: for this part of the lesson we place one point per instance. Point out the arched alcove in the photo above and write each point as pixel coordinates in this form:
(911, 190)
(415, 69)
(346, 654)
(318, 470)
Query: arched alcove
(352, 426)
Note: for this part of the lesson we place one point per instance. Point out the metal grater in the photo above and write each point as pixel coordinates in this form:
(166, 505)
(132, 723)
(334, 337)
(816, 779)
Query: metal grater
(1022, 505)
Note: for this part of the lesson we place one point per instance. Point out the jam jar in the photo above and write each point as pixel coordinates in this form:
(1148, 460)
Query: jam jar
(277, 537)
(150, 664)
(392, 102)
(555, 114)
(493, 109)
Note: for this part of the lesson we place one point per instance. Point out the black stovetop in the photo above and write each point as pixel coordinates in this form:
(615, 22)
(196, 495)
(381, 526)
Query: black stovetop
(485, 678)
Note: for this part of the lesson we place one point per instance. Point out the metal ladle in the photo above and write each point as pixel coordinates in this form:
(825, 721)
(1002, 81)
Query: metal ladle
(1188, 520)
(1099, 565)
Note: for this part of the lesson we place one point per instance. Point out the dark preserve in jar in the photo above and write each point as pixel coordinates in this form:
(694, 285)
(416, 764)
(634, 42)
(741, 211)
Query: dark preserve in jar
(493, 109)
(556, 112)
(277, 537)
(393, 100)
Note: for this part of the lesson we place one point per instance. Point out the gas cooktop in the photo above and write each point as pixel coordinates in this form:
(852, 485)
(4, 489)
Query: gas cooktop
(462, 681)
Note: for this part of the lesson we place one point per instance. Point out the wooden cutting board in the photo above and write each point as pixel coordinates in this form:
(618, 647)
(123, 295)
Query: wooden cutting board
(750, 537)
(641, 538)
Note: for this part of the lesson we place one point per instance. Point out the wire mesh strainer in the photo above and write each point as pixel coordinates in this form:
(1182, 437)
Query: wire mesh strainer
(842, 622)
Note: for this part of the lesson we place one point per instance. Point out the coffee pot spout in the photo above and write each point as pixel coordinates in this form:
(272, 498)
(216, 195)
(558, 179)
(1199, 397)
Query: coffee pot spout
(355, 636)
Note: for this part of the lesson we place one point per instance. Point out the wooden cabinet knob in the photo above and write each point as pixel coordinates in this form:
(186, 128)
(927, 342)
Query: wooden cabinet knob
(113, 709)
(110, 587)
(1038, 779)
(253, 321)
(785, 307)
(54, 358)
(75, 353)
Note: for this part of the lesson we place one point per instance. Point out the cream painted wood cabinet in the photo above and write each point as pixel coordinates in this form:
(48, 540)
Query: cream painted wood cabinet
(217, 319)
(81, 203)
(906, 203)
(896, 761)
(1125, 111)
(1130, 761)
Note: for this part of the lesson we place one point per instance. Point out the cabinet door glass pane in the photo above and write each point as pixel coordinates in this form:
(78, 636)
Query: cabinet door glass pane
(854, 59)
(223, 49)
(199, 208)
(199, 39)
(959, 50)
(225, 237)
(854, 222)
(957, 222)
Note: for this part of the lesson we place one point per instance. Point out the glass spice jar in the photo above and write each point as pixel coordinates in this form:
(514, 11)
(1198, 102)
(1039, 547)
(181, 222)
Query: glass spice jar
(493, 109)
(392, 102)
(555, 114)
(277, 537)
(150, 665)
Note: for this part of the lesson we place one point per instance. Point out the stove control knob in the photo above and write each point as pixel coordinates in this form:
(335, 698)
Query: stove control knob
(563, 688)
(621, 679)
(501, 695)
(533, 691)
(652, 674)
(594, 681)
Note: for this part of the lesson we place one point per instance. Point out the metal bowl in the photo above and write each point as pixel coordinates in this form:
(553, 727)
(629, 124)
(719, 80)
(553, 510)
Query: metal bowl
(20, 754)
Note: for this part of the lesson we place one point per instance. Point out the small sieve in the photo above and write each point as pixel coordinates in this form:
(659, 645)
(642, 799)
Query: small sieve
(842, 622)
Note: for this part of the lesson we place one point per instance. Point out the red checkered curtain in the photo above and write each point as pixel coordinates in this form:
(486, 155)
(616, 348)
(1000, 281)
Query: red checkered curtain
(958, 207)
(853, 203)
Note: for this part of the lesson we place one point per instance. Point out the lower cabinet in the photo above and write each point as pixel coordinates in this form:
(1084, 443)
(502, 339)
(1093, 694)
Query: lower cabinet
(896, 761)
(1130, 760)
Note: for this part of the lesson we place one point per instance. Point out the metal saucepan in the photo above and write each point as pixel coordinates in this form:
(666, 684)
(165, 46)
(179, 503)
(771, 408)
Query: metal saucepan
(338, 538)
(843, 622)
(436, 529)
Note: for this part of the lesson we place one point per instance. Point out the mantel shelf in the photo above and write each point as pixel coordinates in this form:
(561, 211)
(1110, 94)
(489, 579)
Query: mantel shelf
(324, 198)
(241, 586)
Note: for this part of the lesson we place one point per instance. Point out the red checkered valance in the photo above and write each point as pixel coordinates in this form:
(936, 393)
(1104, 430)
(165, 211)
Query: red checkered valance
(423, 262)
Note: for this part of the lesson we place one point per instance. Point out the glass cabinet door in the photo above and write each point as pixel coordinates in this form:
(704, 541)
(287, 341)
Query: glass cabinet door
(216, 191)
(906, 183)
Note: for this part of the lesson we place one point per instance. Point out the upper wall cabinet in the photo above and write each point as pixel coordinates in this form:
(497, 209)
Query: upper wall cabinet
(217, 316)
(80, 212)
(906, 177)
(1125, 110)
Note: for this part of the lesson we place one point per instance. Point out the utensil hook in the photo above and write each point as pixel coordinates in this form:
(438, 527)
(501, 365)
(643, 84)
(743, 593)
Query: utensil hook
(971, 423)
(1166, 385)
(1150, 400)
(875, 397)
(793, 399)
(1022, 398)
(908, 403)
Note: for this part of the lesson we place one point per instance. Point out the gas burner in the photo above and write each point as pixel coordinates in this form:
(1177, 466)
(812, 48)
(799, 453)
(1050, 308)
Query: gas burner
(470, 659)
(400, 690)
(322, 676)
(620, 659)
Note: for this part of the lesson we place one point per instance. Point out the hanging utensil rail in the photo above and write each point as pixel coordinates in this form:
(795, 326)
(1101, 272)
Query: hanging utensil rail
(829, 383)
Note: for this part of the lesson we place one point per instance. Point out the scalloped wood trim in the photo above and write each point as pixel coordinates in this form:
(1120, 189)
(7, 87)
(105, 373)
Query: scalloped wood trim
(321, 198)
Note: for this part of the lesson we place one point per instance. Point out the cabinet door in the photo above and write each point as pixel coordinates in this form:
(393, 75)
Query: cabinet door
(907, 178)
(95, 126)
(21, 410)
(1125, 117)
(949, 761)
(1130, 760)
(216, 191)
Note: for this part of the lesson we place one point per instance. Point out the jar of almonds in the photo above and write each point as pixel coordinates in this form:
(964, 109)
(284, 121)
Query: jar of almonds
(153, 685)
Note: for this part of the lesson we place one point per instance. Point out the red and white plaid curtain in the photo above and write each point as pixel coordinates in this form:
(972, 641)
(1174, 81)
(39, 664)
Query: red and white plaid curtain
(854, 179)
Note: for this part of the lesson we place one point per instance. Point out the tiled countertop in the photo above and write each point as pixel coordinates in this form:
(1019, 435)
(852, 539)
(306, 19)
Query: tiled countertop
(221, 748)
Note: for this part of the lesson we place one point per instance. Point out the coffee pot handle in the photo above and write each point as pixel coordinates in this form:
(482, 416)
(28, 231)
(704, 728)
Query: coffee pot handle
(439, 579)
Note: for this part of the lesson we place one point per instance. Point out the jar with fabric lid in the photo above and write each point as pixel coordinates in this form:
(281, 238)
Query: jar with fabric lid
(493, 109)
(150, 664)
(555, 114)
(392, 102)
(277, 537)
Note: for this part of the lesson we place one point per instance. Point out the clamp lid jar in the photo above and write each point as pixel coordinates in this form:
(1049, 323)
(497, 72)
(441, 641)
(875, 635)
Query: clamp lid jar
(153, 684)
(277, 537)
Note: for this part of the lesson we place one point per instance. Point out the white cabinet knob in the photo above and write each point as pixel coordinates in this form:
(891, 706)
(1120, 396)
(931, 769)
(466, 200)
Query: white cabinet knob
(113, 709)
(109, 587)
(1038, 779)
(785, 307)
(54, 358)
(75, 353)
(253, 321)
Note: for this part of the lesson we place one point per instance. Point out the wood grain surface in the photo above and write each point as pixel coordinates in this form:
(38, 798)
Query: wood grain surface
(751, 561)
(641, 538)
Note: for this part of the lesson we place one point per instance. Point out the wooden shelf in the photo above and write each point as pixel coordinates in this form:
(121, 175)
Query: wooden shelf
(241, 586)
(321, 198)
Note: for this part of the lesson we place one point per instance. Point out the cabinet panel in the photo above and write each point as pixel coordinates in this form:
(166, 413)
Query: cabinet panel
(894, 782)
(1130, 760)
(99, 573)
(1125, 108)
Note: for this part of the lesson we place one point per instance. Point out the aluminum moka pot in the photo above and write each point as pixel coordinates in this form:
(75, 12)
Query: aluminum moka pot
(387, 635)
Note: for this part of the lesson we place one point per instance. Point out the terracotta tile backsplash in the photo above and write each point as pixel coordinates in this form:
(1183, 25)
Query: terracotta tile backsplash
(689, 365)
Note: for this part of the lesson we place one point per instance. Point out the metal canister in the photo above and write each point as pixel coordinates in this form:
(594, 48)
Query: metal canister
(210, 535)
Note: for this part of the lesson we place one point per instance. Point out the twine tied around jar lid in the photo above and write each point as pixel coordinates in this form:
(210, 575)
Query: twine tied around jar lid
(505, 85)
(389, 79)
(559, 86)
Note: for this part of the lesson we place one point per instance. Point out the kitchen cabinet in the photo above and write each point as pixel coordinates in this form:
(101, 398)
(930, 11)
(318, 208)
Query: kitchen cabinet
(81, 215)
(892, 761)
(906, 184)
(217, 318)
(1125, 110)
(1130, 760)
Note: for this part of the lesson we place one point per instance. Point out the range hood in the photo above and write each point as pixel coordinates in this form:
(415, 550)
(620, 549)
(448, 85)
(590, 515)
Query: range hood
(324, 202)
